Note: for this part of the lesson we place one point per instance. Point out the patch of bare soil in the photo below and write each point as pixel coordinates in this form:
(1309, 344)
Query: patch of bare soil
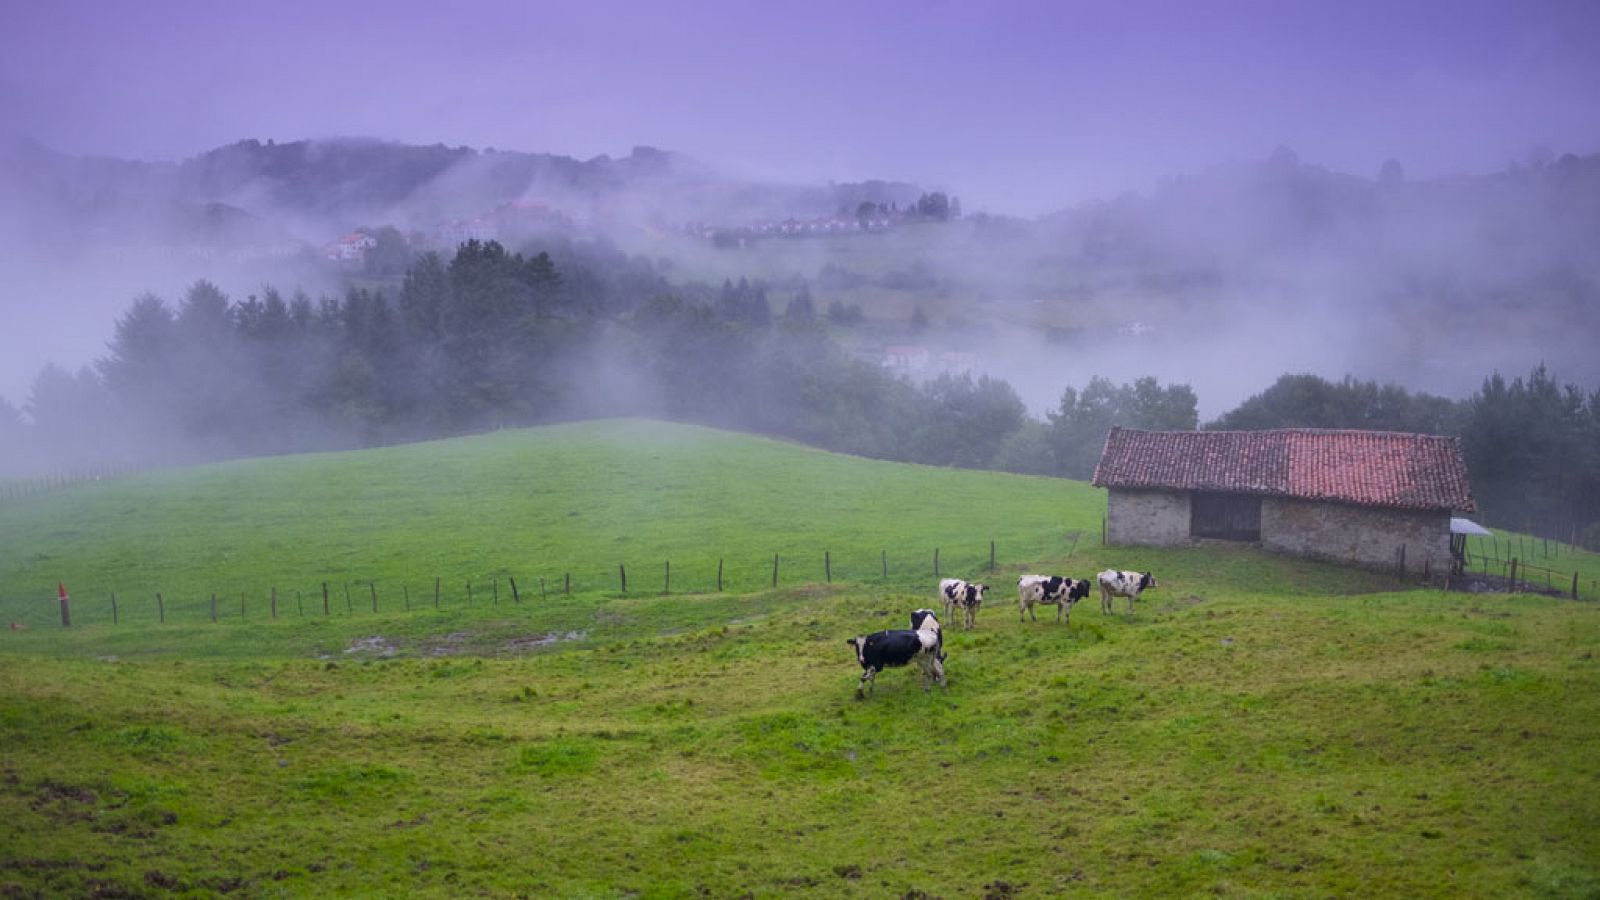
(530, 644)
(452, 643)
(1488, 583)
(377, 645)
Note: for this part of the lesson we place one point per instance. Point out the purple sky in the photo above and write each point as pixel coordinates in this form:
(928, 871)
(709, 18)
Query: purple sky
(1018, 107)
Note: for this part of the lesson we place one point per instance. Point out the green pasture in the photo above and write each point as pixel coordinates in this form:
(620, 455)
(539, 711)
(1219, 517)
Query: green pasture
(1260, 726)
(579, 500)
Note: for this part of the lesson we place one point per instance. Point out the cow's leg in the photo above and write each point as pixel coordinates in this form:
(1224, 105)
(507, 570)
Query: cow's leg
(938, 671)
(868, 680)
(1130, 604)
(1060, 608)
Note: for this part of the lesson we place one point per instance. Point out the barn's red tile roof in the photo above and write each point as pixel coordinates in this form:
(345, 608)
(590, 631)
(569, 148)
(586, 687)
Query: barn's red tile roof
(1370, 468)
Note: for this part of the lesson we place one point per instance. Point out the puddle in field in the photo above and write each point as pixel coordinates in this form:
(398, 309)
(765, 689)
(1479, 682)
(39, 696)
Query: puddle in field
(529, 644)
(377, 645)
(462, 643)
(454, 642)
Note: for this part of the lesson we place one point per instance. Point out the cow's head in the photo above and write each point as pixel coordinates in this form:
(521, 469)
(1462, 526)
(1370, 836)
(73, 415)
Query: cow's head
(924, 618)
(1147, 581)
(859, 643)
(1078, 591)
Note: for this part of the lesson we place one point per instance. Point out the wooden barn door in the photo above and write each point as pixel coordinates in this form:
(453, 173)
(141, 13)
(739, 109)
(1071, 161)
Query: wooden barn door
(1230, 517)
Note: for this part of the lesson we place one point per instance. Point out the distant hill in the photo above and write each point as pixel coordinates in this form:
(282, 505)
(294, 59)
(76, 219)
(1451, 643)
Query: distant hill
(263, 192)
(1467, 239)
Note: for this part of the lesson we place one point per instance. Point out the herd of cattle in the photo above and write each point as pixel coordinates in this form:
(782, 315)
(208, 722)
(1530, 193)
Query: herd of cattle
(923, 642)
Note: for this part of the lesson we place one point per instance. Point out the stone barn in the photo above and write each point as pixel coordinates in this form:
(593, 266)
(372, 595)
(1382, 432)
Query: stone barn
(1368, 497)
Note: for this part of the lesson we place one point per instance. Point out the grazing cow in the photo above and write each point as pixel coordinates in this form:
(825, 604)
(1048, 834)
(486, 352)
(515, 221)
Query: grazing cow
(1114, 583)
(923, 644)
(1050, 590)
(966, 596)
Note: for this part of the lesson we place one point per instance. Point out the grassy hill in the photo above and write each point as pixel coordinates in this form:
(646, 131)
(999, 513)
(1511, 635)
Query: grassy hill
(1261, 726)
(578, 499)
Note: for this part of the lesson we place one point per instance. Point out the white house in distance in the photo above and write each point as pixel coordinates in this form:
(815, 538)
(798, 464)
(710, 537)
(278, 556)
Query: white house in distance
(1367, 497)
(350, 247)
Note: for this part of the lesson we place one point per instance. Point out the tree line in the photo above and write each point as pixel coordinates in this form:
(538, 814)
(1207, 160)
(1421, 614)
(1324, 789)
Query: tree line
(490, 338)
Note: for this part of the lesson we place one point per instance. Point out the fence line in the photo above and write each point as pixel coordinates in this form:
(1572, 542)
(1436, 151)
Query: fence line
(1517, 573)
(708, 575)
(14, 489)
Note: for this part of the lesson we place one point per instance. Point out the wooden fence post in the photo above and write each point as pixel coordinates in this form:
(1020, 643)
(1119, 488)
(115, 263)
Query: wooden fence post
(435, 592)
(114, 618)
(66, 605)
(991, 556)
(373, 587)
(274, 602)
(719, 576)
(936, 562)
(213, 607)
(622, 575)
(666, 587)
(405, 591)
(774, 570)
(324, 598)
(496, 584)
(883, 561)
(1574, 586)
(298, 605)
(516, 595)
(161, 607)
(827, 566)
(1513, 574)
(349, 607)
(569, 584)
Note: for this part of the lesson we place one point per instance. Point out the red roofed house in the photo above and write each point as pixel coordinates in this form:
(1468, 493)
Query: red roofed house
(1349, 496)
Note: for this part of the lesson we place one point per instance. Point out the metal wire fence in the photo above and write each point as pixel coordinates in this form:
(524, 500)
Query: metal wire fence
(93, 602)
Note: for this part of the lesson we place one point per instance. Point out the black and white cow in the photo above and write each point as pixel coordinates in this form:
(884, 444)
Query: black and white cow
(963, 595)
(1050, 590)
(922, 644)
(1115, 583)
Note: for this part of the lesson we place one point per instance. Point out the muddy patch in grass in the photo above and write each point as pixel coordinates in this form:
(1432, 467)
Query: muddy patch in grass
(452, 643)
(533, 643)
(377, 645)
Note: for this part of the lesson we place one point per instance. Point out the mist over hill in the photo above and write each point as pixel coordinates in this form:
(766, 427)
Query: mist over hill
(1283, 265)
(309, 189)
(1221, 278)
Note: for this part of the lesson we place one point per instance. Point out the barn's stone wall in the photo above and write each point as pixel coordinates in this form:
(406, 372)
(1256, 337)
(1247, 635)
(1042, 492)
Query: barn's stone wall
(1334, 531)
(1360, 534)
(1151, 518)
